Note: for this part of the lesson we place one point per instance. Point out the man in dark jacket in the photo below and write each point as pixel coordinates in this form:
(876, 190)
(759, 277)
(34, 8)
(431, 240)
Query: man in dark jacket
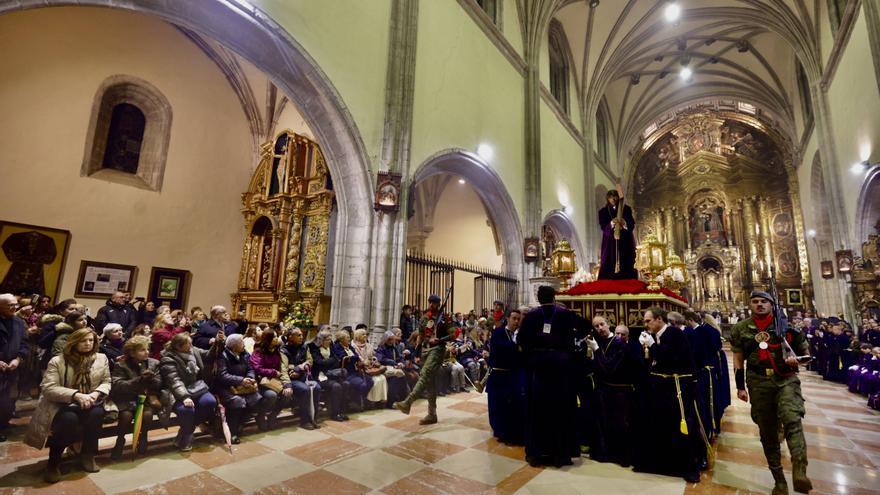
(299, 365)
(207, 331)
(13, 348)
(117, 310)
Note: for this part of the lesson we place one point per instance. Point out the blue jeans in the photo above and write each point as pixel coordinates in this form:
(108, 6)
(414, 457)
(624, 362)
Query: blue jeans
(191, 416)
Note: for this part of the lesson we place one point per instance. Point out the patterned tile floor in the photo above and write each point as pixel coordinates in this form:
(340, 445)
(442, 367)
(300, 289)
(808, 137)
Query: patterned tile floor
(384, 452)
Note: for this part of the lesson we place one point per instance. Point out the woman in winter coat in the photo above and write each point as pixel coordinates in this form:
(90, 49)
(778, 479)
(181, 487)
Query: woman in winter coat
(111, 343)
(268, 364)
(236, 384)
(187, 372)
(71, 408)
(137, 374)
(359, 383)
(164, 330)
(334, 388)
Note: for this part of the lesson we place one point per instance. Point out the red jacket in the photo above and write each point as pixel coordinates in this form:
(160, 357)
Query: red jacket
(161, 337)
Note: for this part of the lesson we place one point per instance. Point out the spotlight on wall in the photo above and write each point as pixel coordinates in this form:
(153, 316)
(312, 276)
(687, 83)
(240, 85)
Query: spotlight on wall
(672, 12)
(485, 151)
(461, 181)
(811, 233)
(858, 168)
(685, 74)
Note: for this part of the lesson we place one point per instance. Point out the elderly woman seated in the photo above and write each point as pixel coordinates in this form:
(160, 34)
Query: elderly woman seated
(111, 343)
(378, 394)
(71, 409)
(297, 362)
(390, 355)
(326, 368)
(137, 374)
(359, 383)
(275, 387)
(186, 371)
(236, 384)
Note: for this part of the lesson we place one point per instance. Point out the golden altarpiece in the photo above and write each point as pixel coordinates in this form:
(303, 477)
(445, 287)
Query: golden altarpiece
(288, 209)
(715, 183)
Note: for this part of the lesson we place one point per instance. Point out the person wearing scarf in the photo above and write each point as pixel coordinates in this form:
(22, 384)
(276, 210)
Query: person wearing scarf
(71, 409)
(236, 384)
(296, 362)
(326, 369)
(185, 371)
(768, 379)
(111, 343)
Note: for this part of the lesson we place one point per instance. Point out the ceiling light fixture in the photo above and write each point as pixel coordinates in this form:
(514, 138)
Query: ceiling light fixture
(485, 151)
(686, 74)
(742, 46)
(594, 4)
(672, 12)
(461, 181)
(634, 79)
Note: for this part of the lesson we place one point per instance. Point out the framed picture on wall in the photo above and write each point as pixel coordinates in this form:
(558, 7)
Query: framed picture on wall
(97, 279)
(169, 286)
(795, 297)
(32, 259)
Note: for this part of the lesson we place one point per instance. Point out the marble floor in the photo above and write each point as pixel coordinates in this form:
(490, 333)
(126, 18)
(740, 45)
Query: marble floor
(383, 452)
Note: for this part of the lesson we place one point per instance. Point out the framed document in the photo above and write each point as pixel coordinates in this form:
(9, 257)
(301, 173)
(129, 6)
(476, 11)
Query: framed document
(97, 279)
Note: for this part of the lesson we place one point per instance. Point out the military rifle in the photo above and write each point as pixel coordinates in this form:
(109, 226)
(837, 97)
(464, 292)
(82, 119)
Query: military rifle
(780, 321)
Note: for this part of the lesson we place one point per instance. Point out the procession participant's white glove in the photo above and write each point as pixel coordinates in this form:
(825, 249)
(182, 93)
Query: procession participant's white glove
(646, 339)
(594, 346)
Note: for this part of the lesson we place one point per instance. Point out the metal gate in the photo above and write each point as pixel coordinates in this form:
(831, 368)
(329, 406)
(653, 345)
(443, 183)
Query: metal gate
(428, 274)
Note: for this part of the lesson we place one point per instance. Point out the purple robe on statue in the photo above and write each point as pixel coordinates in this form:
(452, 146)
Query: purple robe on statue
(625, 247)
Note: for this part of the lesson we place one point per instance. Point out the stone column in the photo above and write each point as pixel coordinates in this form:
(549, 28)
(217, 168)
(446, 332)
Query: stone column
(389, 237)
(731, 234)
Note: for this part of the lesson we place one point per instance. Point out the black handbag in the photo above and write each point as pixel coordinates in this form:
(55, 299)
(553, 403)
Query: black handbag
(337, 374)
(197, 389)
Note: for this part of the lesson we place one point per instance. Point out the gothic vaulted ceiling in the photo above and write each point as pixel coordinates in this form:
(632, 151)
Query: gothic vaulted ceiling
(629, 57)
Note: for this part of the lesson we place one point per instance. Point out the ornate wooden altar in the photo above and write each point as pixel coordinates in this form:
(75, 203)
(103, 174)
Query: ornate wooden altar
(287, 210)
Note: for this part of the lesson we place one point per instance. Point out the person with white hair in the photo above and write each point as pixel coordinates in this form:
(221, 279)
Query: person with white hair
(218, 323)
(13, 350)
(112, 341)
(236, 384)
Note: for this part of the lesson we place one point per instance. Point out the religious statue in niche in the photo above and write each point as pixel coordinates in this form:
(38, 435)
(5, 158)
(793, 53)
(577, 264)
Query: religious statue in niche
(706, 222)
(279, 171)
(388, 192)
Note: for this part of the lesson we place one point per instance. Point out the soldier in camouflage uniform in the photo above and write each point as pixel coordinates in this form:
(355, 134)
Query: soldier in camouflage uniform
(773, 387)
(432, 342)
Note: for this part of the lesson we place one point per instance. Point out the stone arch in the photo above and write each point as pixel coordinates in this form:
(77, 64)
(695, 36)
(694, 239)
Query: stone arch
(255, 36)
(561, 223)
(868, 206)
(489, 187)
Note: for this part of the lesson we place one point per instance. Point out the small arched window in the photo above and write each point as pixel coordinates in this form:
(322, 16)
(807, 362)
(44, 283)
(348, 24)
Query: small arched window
(804, 93)
(124, 139)
(129, 132)
(559, 66)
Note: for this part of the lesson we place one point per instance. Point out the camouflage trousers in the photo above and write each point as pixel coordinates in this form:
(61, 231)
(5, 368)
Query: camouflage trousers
(776, 401)
(433, 359)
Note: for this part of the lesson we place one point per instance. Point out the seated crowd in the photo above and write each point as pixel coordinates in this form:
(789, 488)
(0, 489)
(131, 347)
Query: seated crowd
(843, 356)
(91, 372)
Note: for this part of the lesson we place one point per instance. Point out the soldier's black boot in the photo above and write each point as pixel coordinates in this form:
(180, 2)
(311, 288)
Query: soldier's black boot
(802, 484)
(402, 406)
(431, 418)
(781, 486)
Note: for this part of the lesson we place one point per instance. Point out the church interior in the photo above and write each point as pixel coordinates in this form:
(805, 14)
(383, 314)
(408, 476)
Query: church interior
(328, 163)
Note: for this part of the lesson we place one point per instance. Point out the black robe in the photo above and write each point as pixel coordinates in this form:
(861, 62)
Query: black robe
(618, 367)
(551, 393)
(625, 247)
(506, 388)
(666, 446)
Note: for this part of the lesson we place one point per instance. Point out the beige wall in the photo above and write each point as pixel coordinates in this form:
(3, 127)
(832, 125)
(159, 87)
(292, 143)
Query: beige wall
(461, 233)
(47, 86)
